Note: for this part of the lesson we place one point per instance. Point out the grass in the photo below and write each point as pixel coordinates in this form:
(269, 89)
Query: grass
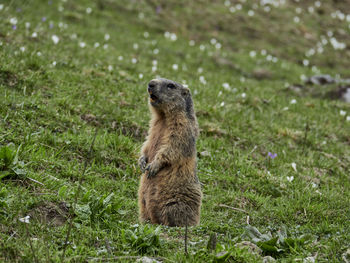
(55, 96)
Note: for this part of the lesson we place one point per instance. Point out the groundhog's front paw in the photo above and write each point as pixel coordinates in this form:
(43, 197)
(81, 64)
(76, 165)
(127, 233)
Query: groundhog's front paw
(153, 168)
(143, 163)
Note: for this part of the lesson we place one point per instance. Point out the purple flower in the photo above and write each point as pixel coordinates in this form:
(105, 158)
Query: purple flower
(50, 2)
(159, 9)
(43, 19)
(14, 27)
(272, 155)
(19, 10)
(51, 25)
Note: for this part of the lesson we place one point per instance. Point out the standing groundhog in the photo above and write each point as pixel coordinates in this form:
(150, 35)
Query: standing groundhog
(169, 192)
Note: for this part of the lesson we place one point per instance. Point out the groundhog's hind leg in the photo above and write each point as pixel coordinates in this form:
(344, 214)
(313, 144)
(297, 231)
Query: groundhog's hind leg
(179, 214)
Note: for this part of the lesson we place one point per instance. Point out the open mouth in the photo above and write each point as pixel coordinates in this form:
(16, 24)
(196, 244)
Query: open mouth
(153, 98)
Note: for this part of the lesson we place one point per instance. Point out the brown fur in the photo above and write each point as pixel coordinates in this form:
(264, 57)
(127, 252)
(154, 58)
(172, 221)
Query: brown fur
(169, 192)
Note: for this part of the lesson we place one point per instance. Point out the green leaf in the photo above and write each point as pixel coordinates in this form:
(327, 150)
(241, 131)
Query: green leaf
(108, 199)
(3, 174)
(83, 212)
(222, 256)
(62, 191)
(253, 232)
(7, 155)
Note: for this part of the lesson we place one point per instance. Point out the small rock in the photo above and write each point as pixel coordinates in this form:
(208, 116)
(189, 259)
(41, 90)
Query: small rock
(251, 247)
(320, 80)
(205, 153)
(148, 260)
(297, 88)
(261, 73)
(346, 256)
(268, 259)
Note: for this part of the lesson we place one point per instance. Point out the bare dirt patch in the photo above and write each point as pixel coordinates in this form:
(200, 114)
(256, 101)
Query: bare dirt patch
(51, 213)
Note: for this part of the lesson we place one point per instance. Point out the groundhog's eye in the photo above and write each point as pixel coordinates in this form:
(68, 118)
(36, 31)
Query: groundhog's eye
(171, 86)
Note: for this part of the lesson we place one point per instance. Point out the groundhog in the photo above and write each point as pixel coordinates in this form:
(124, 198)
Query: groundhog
(170, 192)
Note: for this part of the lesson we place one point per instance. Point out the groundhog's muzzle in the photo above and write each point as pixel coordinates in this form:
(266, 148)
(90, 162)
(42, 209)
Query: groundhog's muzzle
(152, 90)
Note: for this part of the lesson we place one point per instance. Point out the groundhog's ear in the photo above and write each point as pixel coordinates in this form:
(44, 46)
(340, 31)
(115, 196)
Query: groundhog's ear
(185, 92)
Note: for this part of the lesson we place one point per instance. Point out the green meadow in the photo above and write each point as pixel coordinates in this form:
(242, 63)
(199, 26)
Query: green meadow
(274, 144)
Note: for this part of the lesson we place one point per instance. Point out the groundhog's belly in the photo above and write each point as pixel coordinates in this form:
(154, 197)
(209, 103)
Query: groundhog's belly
(172, 186)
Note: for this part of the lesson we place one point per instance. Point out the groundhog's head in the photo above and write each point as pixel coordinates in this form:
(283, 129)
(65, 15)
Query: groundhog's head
(169, 96)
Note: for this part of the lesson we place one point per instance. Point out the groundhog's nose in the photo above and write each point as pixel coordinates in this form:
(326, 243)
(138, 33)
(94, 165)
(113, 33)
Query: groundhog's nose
(151, 85)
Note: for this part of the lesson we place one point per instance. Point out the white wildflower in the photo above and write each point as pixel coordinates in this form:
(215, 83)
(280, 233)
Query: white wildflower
(22, 49)
(213, 41)
(27, 24)
(191, 43)
(290, 178)
(202, 80)
(347, 118)
(1, 7)
(107, 37)
(82, 44)
(54, 63)
(140, 76)
(110, 68)
(34, 34)
(135, 46)
(303, 77)
(222, 104)
(226, 86)
(250, 13)
(96, 45)
(232, 9)
(200, 70)
(342, 113)
(175, 67)
(55, 39)
(252, 53)
(173, 37)
(243, 95)
(133, 60)
(38, 54)
(141, 15)
(296, 19)
(294, 166)
(217, 45)
(88, 10)
(25, 219)
(311, 9)
(105, 46)
(13, 21)
(120, 58)
(267, 8)
(156, 51)
(154, 62)
(146, 34)
(202, 47)
(305, 62)
(293, 101)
